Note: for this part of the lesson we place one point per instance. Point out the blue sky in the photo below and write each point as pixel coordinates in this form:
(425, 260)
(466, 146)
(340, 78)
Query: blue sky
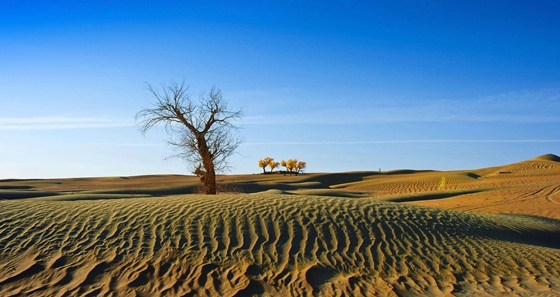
(345, 86)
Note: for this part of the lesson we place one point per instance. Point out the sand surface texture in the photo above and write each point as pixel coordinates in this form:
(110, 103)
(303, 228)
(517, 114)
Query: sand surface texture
(495, 232)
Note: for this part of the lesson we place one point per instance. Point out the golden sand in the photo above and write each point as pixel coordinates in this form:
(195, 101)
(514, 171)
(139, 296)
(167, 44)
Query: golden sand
(496, 233)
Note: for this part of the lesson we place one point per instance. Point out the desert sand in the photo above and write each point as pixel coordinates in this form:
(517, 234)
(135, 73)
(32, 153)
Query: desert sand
(481, 232)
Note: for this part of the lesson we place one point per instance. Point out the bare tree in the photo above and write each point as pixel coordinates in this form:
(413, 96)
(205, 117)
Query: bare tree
(202, 132)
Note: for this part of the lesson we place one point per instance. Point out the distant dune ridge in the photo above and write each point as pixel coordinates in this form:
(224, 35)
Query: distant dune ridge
(548, 157)
(335, 234)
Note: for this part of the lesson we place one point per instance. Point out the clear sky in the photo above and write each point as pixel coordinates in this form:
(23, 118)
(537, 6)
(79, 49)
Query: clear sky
(343, 85)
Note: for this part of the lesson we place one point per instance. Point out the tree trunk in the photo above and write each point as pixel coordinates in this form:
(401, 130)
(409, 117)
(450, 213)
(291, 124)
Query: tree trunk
(208, 163)
(210, 182)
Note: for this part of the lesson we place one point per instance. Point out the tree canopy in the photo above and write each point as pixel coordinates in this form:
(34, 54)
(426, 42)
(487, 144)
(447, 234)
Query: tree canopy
(202, 132)
(292, 165)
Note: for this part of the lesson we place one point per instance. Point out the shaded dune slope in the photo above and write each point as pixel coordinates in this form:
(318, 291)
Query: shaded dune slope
(285, 245)
(548, 157)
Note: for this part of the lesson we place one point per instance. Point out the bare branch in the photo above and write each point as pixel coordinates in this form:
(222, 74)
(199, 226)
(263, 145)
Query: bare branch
(202, 134)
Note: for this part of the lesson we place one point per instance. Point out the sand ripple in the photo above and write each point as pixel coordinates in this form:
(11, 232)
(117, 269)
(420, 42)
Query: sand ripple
(239, 245)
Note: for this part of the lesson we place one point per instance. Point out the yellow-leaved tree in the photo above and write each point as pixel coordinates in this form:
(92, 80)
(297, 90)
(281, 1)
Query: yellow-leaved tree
(265, 162)
(293, 165)
(273, 165)
(300, 166)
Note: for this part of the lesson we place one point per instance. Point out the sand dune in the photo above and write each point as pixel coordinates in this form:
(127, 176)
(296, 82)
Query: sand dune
(531, 187)
(142, 236)
(281, 244)
(548, 157)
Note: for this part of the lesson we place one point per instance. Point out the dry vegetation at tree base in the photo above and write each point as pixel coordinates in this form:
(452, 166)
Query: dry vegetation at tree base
(485, 232)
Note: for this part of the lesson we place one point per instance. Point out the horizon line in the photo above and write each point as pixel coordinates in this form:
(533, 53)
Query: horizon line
(409, 141)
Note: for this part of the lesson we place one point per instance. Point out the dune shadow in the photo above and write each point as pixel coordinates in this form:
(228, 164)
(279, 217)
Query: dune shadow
(23, 194)
(86, 197)
(254, 288)
(187, 189)
(317, 276)
(545, 236)
(330, 179)
(421, 196)
(13, 187)
(255, 187)
(29, 272)
(473, 175)
(329, 193)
